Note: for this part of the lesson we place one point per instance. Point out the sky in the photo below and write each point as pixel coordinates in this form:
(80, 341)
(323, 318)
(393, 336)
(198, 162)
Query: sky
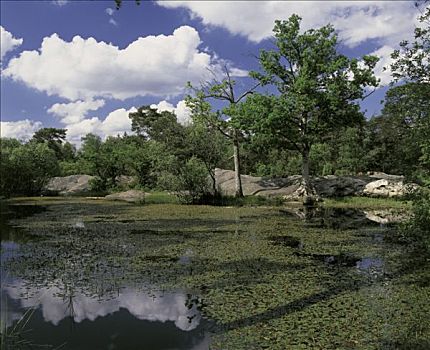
(83, 65)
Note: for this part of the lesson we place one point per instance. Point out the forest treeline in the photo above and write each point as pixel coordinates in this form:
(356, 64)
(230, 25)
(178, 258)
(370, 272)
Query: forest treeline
(300, 115)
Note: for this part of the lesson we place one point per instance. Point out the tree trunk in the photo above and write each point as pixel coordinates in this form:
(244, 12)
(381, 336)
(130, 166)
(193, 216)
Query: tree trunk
(214, 186)
(236, 155)
(309, 196)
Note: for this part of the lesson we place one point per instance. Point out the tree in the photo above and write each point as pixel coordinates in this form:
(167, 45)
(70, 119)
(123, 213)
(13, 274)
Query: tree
(411, 61)
(396, 138)
(411, 102)
(26, 168)
(318, 89)
(225, 120)
(162, 127)
(54, 138)
(107, 160)
(209, 146)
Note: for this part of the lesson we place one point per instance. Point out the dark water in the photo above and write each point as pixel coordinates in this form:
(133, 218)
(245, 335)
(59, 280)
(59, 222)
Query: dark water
(55, 315)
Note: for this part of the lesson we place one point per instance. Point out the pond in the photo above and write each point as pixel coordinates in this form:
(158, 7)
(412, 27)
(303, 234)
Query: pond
(86, 274)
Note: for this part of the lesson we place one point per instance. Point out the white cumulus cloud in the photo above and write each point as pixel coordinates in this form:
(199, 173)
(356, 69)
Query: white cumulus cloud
(182, 112)
(7, 42)
(60, 2)
(356, 21)
(116, 123)
(86, 68)
(74, 112)
(384, 54)
(155, 307)
(382, 23)
(21, 130)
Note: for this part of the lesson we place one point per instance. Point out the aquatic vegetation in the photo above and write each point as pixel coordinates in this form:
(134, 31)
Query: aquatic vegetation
(263, 278)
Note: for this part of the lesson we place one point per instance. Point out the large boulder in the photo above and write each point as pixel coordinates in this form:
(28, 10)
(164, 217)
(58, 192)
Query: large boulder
(133, 196)
(255, 185)
(69, 185)
(387, 188)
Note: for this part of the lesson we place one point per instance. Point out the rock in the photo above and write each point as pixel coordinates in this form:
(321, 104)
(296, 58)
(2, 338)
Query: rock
(69, 185)
(255, 185)
(385, 216)
(133, 196)
(292, 189)
(381, 175)
(388, 188)
(339, 186)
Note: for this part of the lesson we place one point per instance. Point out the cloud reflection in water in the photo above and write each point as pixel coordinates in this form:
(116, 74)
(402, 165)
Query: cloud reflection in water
(55, 306)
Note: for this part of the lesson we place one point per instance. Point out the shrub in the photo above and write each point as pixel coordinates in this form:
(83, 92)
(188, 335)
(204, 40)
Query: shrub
(417, 230)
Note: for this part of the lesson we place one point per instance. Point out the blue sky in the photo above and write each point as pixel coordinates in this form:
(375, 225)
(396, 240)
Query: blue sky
(83, 65)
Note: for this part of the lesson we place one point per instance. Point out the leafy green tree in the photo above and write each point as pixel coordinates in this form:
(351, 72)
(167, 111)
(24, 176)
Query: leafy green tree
(411, 101)
(150, 162)
(226, 120)
(107, 160)
(411, 61)
(54, 138)
(7, 171)
(396, 139)
(26, 168)
(350, 152)
(320, 159)
(191, 182)
(318, 88)
(162, 127)
(209, 146)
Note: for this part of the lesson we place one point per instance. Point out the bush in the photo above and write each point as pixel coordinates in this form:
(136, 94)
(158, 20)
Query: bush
(26, 168)
(191, 183)
(417, 230)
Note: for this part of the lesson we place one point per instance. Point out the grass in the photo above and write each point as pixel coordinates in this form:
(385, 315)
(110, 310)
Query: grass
(367, 203)
(161, 198)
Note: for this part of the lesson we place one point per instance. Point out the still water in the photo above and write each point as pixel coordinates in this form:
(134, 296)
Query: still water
(53, 315)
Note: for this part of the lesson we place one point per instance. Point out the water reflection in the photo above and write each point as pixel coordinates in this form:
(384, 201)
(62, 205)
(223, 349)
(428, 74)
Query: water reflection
(373, 267)
(129, 319)
(55, 305)
(71, 313)
(343, 218)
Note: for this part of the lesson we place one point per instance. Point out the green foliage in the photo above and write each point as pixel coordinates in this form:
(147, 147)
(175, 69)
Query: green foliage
(26, 168)
(157, 197)
(312, 124)
(191, 183)
(416, 231)
(398, 138)
(55, 139)
(162, 127)
(411, 61)
(227, 120)
(209, 146)
(107, 160)
(321, 162)
(318, 89)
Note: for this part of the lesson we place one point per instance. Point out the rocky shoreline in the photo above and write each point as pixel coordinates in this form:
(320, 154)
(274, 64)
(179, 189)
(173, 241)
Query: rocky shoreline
(290, 188)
